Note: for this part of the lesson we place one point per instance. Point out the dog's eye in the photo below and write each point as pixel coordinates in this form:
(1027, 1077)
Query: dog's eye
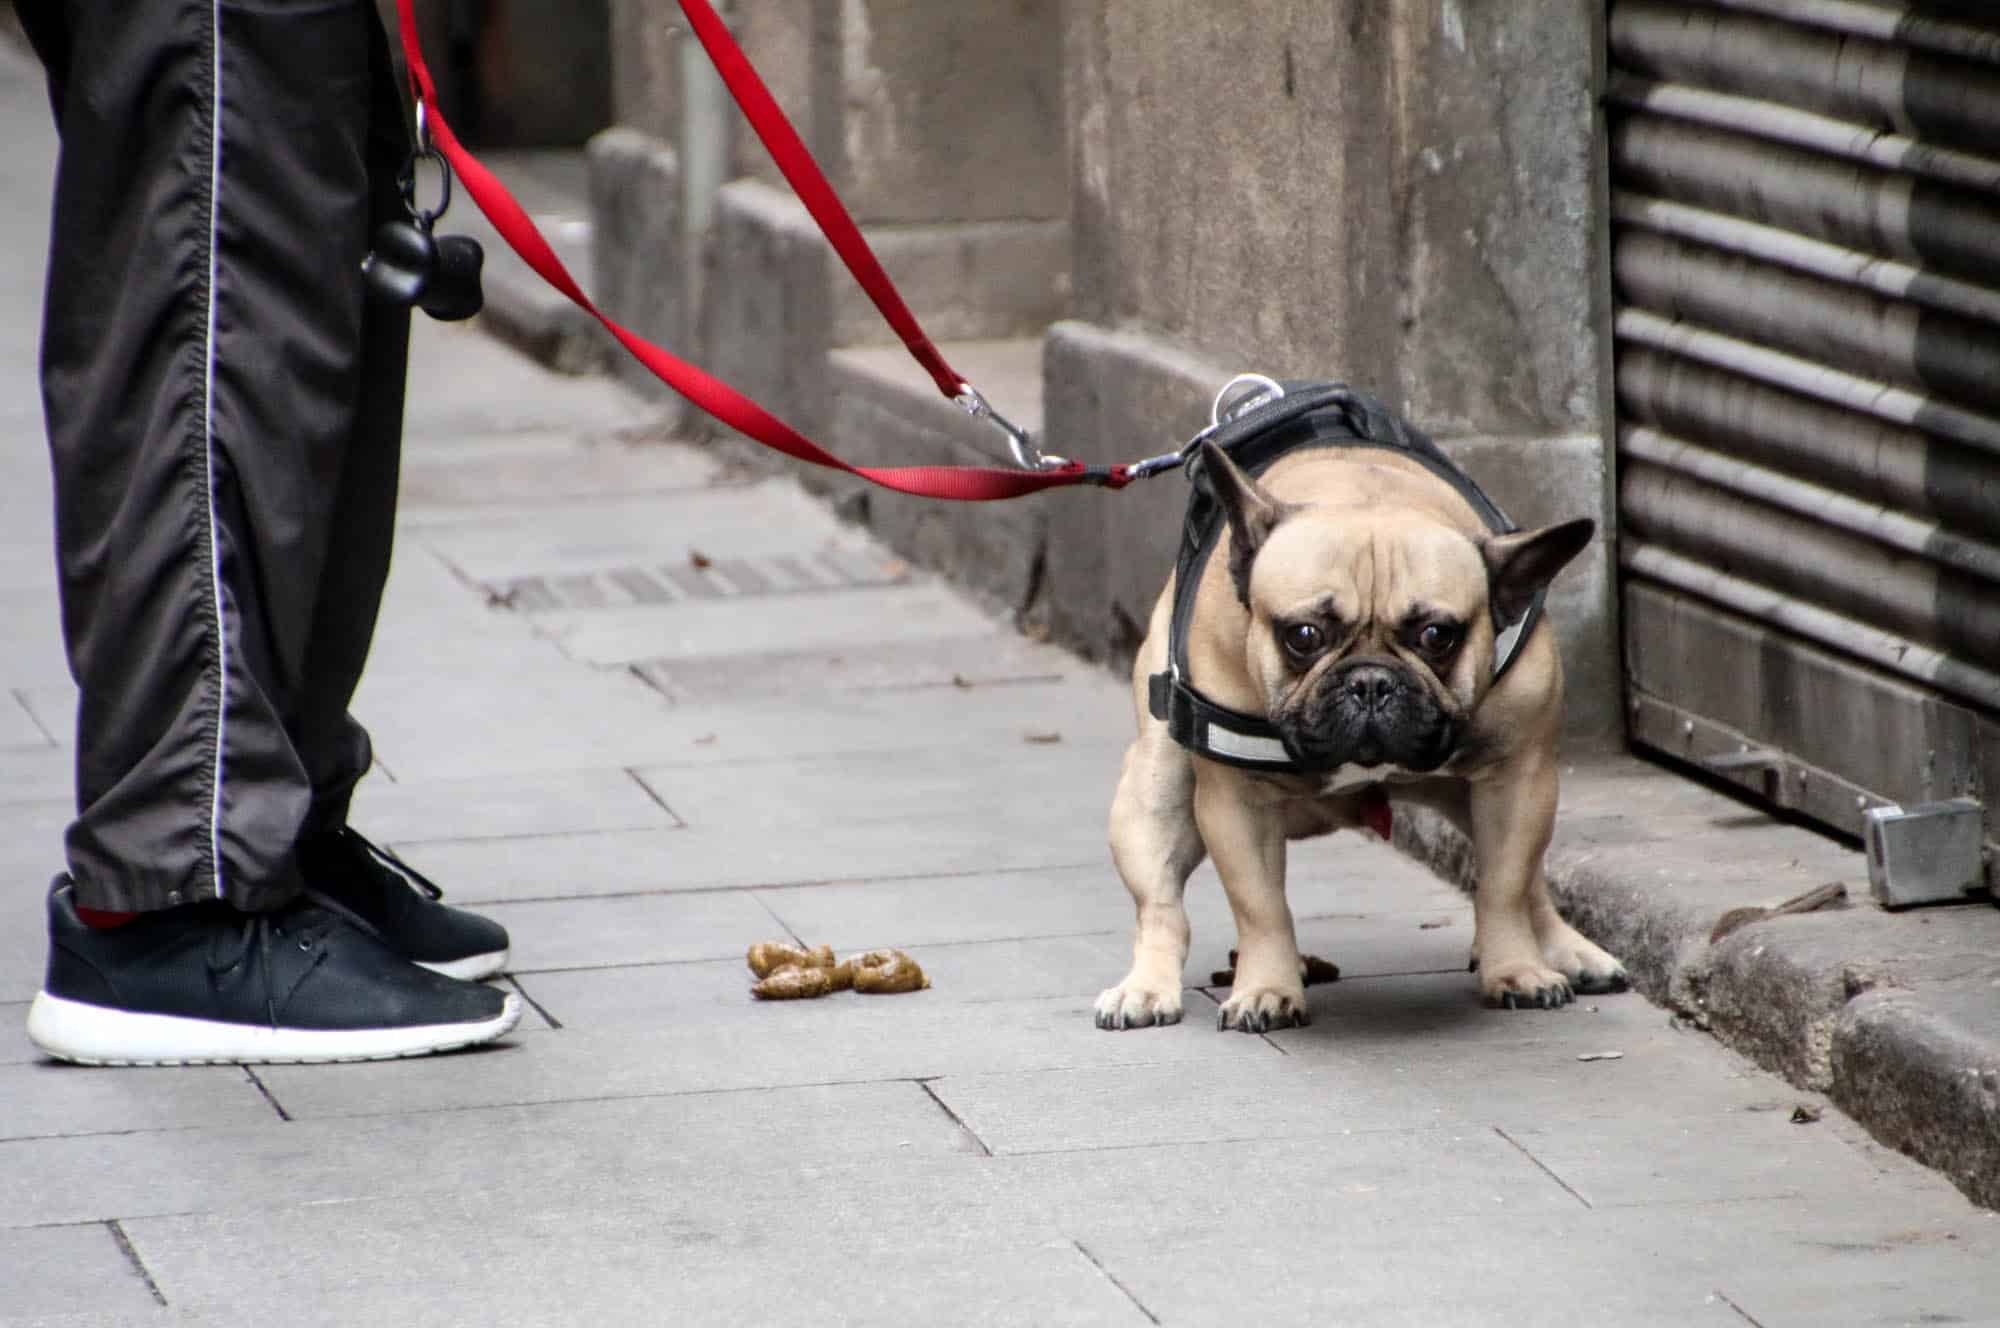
(1438, 640)
(1302, 640)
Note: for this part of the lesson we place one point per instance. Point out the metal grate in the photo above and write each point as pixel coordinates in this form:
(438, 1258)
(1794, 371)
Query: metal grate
(699, 579)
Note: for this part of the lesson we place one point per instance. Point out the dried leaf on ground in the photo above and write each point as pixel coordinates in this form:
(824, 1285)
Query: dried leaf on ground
(1831, 895)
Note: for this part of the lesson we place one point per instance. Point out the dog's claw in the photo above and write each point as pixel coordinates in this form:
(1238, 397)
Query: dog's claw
(1259, 1017)
(1606, 985)
(1553, 997)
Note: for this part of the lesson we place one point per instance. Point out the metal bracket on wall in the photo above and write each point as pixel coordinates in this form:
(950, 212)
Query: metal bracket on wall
(1928, 854)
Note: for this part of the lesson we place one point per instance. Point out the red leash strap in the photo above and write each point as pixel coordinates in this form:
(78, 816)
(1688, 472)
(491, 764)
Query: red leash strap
(711, 394)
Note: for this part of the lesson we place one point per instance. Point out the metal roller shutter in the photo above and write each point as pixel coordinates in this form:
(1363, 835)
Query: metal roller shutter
(1806, 266)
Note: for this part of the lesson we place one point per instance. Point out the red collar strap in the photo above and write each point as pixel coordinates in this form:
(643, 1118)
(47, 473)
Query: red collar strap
(711, 394)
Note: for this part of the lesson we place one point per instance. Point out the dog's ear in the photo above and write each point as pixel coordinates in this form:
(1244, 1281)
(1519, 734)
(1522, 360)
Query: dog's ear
(1519, 565)
(1253, 514)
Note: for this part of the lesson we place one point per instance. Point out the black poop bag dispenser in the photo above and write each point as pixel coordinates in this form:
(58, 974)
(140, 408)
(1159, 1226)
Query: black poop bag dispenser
(412, 267)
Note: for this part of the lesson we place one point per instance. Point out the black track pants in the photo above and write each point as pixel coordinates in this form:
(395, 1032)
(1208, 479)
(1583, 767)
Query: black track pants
(224, 418)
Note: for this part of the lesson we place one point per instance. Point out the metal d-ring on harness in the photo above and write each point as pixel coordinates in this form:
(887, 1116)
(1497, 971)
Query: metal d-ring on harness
(1257, 420)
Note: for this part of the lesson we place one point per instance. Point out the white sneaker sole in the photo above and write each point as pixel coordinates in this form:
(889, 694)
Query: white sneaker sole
(472, 968)
(97, 1035)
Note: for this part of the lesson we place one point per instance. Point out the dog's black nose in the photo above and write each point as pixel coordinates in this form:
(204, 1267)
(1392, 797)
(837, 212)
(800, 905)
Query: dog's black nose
(1369, 686)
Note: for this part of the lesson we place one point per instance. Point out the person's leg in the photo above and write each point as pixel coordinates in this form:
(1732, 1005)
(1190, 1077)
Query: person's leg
(202, 364)
(360, 535)
(204, 354)
(337, 863)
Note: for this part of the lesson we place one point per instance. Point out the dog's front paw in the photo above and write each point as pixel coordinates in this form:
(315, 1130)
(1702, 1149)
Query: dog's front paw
(1523, 985)
(1138, 1003)
(1261, 1009)
(1590, 970)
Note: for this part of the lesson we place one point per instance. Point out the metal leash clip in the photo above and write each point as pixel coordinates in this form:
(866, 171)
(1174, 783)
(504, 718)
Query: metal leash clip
(1019, 442)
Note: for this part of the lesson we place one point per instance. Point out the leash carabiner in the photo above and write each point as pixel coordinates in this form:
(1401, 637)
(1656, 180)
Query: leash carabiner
(1019, 441)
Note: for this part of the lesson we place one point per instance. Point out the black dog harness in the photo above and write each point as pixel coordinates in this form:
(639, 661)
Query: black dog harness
(1274, 424)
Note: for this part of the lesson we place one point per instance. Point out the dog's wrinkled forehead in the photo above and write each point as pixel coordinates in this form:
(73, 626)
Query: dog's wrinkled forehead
(1368, 565)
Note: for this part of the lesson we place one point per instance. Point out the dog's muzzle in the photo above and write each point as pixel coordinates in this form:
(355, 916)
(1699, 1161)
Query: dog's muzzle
(1368, 712)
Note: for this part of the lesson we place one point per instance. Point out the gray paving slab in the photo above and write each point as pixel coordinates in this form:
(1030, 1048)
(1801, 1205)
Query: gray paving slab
(444, 633)
(50, 711)
(62, 1273)
(431, 604)
(997, 659)
(507, 806)
(857, 1039)
(27, 567)
(967, 974)
(543, 538)
(29, 857)
(534, 718)
(1440, 1013)
(481, 469)
(1263, 1186)
(1359, 1266)
(1647, 1158)
(590, 1150)
(907, 1250)
(35, 774)
(630, 861)
(1853, 1262)
(18, 728)
(1383, 944)
(49, 1098)
(15, 1049)
(28, 820)
(462, 382)
(1073, 1110)
(1522, 1067)
(32, 658)
(1056, 786)
(986, 906)
(539, 721)
(570, 932)
(746, 627)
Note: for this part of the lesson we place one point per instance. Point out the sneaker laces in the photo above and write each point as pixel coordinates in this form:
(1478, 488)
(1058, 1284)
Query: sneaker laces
(258, 932)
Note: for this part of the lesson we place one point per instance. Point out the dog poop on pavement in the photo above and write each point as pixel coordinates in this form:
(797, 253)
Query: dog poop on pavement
(787, 972)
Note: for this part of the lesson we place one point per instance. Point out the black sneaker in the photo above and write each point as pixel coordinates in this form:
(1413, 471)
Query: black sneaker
(205, 984)
(400, 905)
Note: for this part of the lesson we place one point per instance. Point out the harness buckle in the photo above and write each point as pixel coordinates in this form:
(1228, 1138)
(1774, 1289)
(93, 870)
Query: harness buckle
(1019, 442)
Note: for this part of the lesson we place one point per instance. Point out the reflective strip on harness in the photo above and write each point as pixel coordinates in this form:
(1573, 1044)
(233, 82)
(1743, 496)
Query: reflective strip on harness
(1217, 732)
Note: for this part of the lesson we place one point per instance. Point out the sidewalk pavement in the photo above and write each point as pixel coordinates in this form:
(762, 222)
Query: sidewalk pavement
(647, 707)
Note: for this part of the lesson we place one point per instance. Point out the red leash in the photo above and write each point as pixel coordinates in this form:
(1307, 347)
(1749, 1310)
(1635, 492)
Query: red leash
(711, 394)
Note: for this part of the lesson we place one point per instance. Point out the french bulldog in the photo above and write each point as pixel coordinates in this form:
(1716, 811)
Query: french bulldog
(1354, 600)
